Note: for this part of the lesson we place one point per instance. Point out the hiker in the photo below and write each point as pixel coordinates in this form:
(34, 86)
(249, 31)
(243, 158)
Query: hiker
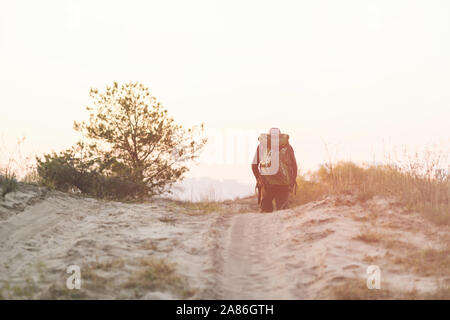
(274, 181)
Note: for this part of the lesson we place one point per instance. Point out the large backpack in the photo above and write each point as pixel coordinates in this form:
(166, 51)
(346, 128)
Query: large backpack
(282, 176)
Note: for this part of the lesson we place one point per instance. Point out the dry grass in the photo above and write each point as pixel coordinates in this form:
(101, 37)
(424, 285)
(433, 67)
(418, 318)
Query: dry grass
(308, 189)
(149, 245)
(429, 262)
(197, 208)
(58, 292)
(31, 177)
(99, 279)
(241, 205)
(168, 220)
(406, 257)
(27, 289)
(8, 182)
(419, 185)
(154, 274)
(92, 280)
(424, 262)
(370, 236)
(371, 259)
(390, 243)
(356, 289)
(106, 265)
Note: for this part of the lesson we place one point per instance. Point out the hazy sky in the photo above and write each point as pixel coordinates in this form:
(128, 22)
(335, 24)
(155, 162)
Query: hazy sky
(362, 76)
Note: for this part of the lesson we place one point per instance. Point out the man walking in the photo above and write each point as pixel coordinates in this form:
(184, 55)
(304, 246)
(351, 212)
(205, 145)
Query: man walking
(275, 169)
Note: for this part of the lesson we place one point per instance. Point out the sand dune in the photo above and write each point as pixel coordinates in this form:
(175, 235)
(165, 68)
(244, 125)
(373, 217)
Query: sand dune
(165, 250)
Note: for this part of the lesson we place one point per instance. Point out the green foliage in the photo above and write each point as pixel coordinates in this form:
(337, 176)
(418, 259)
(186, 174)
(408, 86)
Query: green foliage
(133, 147)
(8, 182)
(67, 171)
(59, 171)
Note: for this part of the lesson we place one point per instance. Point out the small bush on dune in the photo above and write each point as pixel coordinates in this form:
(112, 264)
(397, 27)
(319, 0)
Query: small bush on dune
(59, 171)
(67, 171)
(8, 182)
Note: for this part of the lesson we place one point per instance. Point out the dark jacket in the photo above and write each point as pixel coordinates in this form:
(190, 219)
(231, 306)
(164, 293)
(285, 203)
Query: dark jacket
(255, 164)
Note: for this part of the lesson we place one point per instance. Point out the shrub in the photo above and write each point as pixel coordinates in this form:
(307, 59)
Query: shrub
(68, 171)
(8, 182)
(58, 171)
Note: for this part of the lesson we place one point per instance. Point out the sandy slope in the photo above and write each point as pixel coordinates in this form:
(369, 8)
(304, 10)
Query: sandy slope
(300, 253)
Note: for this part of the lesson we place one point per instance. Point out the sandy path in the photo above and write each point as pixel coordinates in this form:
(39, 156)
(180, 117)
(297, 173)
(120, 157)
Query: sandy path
(254, 259)
(250, 259)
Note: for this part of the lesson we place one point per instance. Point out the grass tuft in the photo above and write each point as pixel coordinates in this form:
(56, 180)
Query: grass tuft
(8, 182)
(154, 274)
(356, 289)
(198, 208)
(425, 262)
(370, 236)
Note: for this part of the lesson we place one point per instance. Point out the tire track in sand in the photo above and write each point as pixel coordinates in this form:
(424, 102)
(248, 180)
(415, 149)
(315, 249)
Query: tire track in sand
(246, 260)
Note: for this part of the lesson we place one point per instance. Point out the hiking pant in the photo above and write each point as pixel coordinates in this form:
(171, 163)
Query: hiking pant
(269, 193)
